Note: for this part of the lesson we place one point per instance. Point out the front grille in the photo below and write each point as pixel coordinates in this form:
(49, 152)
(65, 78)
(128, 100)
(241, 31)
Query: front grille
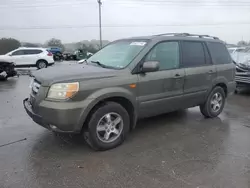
(242, 79)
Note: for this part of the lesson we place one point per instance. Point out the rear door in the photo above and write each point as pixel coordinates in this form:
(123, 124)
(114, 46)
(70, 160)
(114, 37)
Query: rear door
(199, 70)
(223, 61)
(31, 56)
(160, 91)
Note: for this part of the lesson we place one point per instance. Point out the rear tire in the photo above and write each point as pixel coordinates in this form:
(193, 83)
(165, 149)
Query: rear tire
(214, 104)
(107, 127)
(41, 64)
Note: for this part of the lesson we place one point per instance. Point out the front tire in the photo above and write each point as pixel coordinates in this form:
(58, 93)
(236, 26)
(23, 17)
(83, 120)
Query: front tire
(107, 127)
(41, 64)
(214, 103)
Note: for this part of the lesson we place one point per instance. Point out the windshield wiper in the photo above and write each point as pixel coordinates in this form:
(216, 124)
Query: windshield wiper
(103, 66)
(98, 63)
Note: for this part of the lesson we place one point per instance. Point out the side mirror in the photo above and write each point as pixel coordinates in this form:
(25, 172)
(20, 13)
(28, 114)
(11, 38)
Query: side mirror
(150, 66)
(9, 54)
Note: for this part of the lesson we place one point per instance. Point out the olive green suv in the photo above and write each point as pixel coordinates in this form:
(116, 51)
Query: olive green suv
(129, 79)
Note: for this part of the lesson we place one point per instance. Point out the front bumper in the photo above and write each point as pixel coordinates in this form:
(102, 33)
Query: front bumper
(36, 118)
(58, 120)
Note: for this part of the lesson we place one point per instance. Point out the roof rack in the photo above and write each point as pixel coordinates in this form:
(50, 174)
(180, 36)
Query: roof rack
(187, 35)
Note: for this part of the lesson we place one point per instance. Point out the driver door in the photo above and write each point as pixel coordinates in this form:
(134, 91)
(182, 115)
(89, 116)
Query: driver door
(161, 91)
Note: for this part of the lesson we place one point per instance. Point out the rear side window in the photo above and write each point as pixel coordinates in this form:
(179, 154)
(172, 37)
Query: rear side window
(193, 54)
(219, 53)
(32, 52)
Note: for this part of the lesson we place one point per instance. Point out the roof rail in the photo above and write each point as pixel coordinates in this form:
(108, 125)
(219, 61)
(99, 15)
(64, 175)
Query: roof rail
(187, 35)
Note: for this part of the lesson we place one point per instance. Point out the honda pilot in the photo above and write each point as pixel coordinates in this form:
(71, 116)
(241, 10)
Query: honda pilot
(130, 79)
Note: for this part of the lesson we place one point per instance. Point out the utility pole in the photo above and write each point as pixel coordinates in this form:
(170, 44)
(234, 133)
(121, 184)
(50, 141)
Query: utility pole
(100, 21)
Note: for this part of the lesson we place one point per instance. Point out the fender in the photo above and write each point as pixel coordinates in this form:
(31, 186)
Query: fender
(101, 95)
(218, 80)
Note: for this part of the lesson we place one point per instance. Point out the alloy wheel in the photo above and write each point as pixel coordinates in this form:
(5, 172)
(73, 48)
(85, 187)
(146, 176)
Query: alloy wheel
(216, 102)
(109, 127)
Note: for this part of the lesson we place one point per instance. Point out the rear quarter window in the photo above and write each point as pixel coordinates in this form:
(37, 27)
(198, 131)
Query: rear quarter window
(219, 53)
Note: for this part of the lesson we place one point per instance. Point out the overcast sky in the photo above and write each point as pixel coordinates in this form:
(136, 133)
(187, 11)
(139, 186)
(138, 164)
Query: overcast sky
(76, 20)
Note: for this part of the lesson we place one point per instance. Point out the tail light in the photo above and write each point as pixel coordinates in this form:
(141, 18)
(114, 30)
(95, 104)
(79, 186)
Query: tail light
(50, 54)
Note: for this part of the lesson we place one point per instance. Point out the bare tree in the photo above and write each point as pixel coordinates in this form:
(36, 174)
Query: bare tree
(8, 44)
(55, 43)
(242, 43)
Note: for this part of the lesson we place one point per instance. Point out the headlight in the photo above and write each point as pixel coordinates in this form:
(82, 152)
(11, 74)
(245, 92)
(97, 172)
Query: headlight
(63, 90)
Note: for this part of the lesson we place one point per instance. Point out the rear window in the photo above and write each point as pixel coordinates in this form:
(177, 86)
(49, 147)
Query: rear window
(219, 53)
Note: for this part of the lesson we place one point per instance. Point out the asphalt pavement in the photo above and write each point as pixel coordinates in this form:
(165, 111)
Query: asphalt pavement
(180, 149)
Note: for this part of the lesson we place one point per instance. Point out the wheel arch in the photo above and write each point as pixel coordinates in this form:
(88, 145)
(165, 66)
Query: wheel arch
(125, 99)
(221, 82)
(41, 60)
(223, 86)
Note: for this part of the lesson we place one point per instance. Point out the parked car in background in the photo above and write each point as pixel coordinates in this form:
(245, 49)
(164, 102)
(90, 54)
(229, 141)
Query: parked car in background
(58, 56)
(54, 49)
(7, 70)
(29, 57)
(242, 62)
(81, 54)
(130, 79)
(57, 53)
(68, 56)
(77, 55)
(232, 50)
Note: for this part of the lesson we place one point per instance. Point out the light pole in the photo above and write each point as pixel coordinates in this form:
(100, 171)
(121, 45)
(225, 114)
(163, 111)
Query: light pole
(100, 21)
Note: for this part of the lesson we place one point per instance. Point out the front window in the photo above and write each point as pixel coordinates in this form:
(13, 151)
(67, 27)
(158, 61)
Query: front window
(166, 53)
(118, 54)
(18, 52)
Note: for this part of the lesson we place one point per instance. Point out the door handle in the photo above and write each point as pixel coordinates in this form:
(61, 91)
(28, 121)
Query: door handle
(210, 71)
(177, 75)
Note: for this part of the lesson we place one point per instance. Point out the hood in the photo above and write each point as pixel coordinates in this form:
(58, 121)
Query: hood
(67, 73)
(5, 61)
(4, 57)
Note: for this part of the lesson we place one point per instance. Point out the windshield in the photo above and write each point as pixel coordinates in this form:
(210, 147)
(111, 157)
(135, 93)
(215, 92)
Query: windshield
(118, 54)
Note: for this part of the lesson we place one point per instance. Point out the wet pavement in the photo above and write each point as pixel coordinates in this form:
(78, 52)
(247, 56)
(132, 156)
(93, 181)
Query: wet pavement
(180, 149)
